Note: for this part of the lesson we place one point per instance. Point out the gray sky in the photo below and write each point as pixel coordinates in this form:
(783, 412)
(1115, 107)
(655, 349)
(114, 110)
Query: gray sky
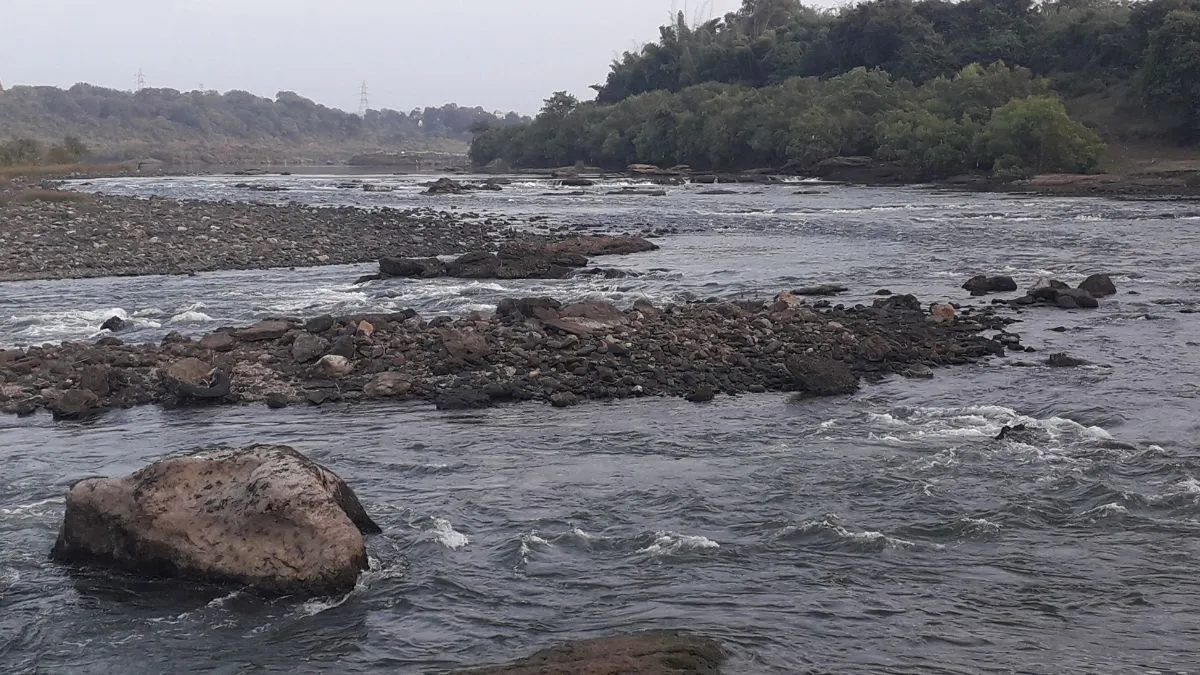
(501, 54)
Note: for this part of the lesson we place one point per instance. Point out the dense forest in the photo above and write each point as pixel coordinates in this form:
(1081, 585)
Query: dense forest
(235, 126)
(942, 87)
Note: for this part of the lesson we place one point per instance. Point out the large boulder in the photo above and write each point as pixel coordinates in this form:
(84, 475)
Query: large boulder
(982, 284)
(600, 245)
(191, 379)
(650, 653)
(1099, 285)
(822, 376)
(445, 186)
(264, 516)
(75, 404)
(271, 329)
(422, 268)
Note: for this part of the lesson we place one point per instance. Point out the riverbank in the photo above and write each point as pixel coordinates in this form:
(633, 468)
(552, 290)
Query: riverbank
(531, 349)
(53, 234)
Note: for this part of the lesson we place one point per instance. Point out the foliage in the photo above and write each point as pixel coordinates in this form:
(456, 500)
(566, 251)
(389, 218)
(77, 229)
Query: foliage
(30, 152)
(1171, 74)
(107, 118)
(944, 127)
(1039, 135)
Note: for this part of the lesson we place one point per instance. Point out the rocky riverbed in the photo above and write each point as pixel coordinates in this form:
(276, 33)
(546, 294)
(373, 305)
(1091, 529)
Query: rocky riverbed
(531, 349)
(57, 235)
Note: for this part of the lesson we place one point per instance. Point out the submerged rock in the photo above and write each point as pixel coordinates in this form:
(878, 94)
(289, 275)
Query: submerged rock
(651, 653)
(1099, 285)
(115, 324)
(983, 284)
(263, 515)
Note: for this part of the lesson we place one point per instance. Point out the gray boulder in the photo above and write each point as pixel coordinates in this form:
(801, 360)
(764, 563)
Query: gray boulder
(265, 516)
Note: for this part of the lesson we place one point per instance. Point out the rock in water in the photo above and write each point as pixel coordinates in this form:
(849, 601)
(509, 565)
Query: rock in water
(983, 284)
(1099, 285)
(822, 376)
(651, 653)
(264, 515)
(114, 324)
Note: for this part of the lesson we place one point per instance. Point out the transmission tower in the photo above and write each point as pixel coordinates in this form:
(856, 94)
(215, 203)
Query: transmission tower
(362, 99)
(141, 80)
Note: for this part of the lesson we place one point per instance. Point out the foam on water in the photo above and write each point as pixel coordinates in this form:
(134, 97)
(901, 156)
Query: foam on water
(673, 543)
(38, 509)
(830, 527)
(445, 534)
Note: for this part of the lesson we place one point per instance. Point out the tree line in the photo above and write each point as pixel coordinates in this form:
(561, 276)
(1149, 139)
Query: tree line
(941, 87)
(108, 119)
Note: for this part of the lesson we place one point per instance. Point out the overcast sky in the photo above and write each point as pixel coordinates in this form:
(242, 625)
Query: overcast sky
(500, 54)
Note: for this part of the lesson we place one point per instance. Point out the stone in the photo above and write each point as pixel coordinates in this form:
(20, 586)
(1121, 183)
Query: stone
(412, 268)
(264, 516)
(462, 398)
(115, 324)
(527, 308)
(701, 394)
(1099, 285)
(75, 404)
(563, 399)
(821, 290)
(1065, 361)
(319, 324)
(982, 284)
(189, 371)
(465, 346)
(308, 347)
(1079, 296)
(906, 302)
(650, 653)
(333, 366)
(218, 342)
(387, 385)
(97, 379)
(942, 312)
(264, 330)
(276, 400)
(445, 186)
(822, 376)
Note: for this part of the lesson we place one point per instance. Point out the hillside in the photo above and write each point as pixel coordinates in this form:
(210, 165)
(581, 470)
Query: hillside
(932, 87)
(209, 127)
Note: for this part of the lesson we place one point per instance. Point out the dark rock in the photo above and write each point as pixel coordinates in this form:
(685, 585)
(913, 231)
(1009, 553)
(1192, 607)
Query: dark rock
(387, 385)
(344, 346)
(115, 324)
(982, 285)
(576, 182)
(883, 291)
(1065, 361)
(422, 268)
(308, 347)
(276, 401)
(263, 516)
(445, 186)
(462, 398)
(75, 404)
(1099, 285)
(1012, 430)
(1079, 296)
(822, 290)
(97, 378)
(899, 302)
(527, 308)
(319, 324)
(822, 376)
(563, 399)
(263, 330)
(218, 342)
(701, 394)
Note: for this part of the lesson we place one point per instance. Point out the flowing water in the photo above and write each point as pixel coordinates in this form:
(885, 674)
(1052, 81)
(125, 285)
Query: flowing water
(885, 532)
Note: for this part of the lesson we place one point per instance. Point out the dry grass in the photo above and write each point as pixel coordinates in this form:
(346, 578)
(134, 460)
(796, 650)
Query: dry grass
(52, 171)
(41, 195)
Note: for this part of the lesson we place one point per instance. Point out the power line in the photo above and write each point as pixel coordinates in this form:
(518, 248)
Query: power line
(362, 100)
(141, 80)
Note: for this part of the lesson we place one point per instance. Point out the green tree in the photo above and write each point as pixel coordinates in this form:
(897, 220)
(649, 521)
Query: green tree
(1037, 132)
(1171, 70)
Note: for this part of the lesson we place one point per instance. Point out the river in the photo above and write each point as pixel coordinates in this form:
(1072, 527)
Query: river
(885, 532)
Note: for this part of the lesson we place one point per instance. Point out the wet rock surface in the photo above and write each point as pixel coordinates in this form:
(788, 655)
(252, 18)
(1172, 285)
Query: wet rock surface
(531, 349)
(264, 516)
(650, 653)
(95, 236)
(524, 258)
